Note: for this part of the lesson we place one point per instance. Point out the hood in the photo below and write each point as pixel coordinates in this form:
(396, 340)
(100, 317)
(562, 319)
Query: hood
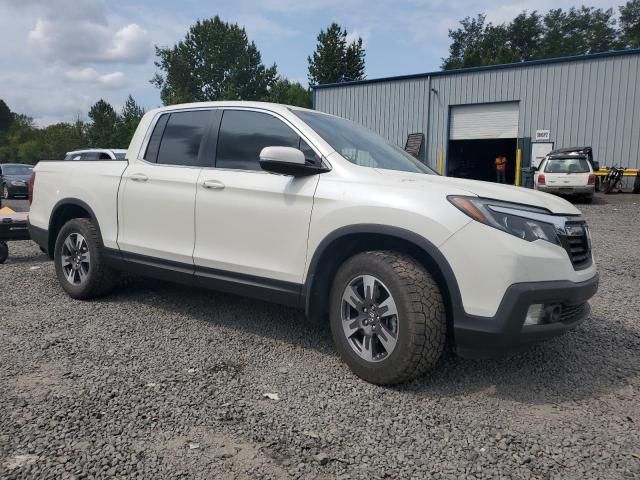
(496, 191)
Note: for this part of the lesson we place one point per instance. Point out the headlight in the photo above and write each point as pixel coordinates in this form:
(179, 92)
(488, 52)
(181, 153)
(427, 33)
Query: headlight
(18, 183)
(527, 223)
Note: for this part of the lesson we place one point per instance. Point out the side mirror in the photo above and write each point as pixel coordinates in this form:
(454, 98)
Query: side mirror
(287, 161)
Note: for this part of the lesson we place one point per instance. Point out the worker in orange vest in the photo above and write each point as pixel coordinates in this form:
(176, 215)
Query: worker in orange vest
(501, 169)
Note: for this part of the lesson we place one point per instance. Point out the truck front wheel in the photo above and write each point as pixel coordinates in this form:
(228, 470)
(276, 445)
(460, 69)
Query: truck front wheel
(79, 261)
(387, 317)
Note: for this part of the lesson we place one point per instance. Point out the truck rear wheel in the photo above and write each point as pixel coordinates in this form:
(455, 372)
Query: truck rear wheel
(79, 261)
(387, 317)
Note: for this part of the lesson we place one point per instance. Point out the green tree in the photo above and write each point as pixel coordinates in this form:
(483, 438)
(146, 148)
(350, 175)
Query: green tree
(127, 122)
(6, 117)
(290, 93)
(60, 138)
(215, 61)
(630, 24)
(577, 32)
(525, 35)
(465, 49)
(101, 132)
(31, 151)
(530, 36)
(335, 60)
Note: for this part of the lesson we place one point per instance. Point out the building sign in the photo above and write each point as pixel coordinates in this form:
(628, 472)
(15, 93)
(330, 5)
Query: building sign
(543, 135)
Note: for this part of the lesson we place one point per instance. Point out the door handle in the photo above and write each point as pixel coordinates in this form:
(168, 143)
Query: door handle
(213, 184)
(138, 177)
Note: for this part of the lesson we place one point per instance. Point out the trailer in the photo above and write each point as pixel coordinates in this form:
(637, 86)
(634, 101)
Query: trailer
(13, 227)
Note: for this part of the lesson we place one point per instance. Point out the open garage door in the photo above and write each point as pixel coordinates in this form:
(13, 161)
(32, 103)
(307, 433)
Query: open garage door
(485, 121)
(477, 135)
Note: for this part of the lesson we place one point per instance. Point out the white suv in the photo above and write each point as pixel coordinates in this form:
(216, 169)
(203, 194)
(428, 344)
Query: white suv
(314, 211)
(568, 174)
(96, 154)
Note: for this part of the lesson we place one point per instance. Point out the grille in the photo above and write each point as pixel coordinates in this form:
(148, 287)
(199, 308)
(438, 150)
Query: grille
(576, 243)
(571, 312)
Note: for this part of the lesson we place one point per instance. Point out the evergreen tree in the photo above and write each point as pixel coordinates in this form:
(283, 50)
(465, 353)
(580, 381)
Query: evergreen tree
(335, 60)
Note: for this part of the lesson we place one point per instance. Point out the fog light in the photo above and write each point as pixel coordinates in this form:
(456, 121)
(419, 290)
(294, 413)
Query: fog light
(535, 314)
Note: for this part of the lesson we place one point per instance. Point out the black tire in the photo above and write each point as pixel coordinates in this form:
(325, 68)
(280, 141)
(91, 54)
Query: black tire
(4, 252)
(588, 199)
(636, 185)
(421, 317)
(607, 187)
(100, 279)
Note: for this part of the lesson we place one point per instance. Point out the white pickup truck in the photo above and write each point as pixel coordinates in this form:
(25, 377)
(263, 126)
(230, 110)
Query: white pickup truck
(310, 210)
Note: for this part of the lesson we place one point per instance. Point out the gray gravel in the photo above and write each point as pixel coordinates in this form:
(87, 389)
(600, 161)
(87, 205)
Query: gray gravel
(157, 381)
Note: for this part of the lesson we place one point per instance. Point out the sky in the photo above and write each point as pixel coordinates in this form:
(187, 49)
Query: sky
(58, 57)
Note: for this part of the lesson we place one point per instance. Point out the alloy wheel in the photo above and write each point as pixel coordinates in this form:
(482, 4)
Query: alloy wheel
(369, 318)
(75, 258)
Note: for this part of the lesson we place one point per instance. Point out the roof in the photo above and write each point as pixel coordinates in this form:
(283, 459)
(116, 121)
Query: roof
(274, 107)
(113, 150)
(546, 61)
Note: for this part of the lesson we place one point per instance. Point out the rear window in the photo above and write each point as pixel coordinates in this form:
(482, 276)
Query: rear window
(567, 165)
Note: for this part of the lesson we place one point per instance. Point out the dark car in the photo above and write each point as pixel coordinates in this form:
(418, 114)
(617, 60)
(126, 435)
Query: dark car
(14, 179)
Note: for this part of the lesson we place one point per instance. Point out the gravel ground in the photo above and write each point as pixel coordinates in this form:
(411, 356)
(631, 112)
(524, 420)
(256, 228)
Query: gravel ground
(157, 381)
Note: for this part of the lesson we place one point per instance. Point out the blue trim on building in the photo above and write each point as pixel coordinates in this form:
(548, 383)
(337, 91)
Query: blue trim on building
(546, 61)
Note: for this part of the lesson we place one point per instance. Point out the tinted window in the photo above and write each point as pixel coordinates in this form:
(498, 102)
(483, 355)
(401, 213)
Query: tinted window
(120, 156)
(16, 170)
(182, 136)
(567, 165)
(90, 156)
(105, 156)
(151, 155)
(243, 134)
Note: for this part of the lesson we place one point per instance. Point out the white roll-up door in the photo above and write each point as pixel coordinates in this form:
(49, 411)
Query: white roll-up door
(485, 121)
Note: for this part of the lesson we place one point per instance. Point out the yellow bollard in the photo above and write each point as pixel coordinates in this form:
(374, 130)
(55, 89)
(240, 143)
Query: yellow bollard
(518, 164)
(441, 162)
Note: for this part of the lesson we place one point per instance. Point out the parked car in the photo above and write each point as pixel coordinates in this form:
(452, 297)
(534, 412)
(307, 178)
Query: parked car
(310, 210)
(14, 179)
(566, 173)
(97, 154)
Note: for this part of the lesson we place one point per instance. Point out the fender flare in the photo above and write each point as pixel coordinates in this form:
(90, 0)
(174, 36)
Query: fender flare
(431, 250)
(78, 203)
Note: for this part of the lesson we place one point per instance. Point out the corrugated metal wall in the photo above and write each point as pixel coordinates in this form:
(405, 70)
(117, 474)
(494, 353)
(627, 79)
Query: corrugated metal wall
(592, 101)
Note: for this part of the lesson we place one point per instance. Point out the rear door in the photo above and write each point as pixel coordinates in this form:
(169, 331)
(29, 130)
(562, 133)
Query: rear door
(567, 172)
(252, 224)
(158, 191)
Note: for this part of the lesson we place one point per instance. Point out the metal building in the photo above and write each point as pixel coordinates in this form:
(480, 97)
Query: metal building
(469, 116)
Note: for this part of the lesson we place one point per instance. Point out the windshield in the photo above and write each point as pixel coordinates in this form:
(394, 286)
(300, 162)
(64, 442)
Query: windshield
(16, 169)
(567, 165)
(360, 145)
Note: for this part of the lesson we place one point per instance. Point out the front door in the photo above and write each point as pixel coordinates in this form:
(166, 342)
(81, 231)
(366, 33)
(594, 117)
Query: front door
(250, 224)
(158, 192)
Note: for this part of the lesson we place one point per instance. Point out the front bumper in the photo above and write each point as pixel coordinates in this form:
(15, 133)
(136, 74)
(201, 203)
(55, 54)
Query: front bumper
(18, 191)
(583, 190)
(479, 337)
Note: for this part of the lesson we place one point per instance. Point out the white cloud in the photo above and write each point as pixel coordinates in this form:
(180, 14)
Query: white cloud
(88, 42)
(89, 75)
